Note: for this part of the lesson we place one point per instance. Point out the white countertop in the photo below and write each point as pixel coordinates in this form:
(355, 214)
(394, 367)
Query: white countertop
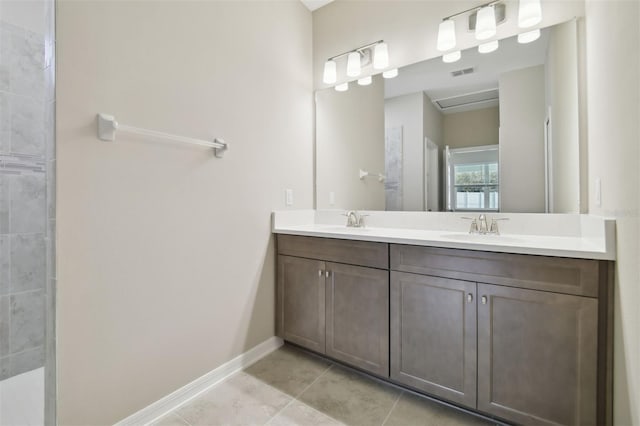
(576, 236)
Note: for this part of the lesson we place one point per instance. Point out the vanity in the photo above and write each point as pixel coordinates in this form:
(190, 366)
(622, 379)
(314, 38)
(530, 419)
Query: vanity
(517, 327)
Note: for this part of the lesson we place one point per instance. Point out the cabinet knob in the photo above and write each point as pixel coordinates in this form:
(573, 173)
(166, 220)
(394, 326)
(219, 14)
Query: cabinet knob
(469, 298)
(327, 274)
(484, 300)
(319, 272)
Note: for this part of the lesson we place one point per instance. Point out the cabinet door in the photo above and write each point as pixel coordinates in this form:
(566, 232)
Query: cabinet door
(433, 335)
(301, 302)
(537, 356)
(358, 317)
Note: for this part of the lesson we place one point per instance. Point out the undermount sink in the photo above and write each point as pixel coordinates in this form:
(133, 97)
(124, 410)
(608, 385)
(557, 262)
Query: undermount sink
(482, 238)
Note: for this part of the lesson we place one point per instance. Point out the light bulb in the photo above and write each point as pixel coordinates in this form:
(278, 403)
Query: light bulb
(380, 56)
(390, 73)
(488, 47)
(329, 75)
(451, 57)
(365, 81)
(446, 35)
(353, 64)
(486, 23)
(529, 13)
(529, 36)
(342, 87)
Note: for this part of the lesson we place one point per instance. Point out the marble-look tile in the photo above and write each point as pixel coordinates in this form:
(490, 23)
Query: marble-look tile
(4, 201)
(50, 247)
(170, 420)
(415, 410)
(239, 400)
(5, 53)
(28, 203)
(350, 397)
(27, 126)
(27, 262)
(26, 64)
(5, 265)
(49, 124)
(50, 194)
(27, 321)
(5, 368)
(288, 370)
(299, 414)
(5, 122)
(4, 326)
(27, 361)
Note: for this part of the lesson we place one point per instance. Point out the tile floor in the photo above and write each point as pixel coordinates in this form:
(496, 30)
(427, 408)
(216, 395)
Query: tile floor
(292, 387)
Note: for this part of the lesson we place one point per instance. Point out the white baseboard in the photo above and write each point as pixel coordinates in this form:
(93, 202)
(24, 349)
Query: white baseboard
(186, 393)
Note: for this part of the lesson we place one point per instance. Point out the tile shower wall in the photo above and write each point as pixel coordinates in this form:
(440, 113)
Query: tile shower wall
(26, 122)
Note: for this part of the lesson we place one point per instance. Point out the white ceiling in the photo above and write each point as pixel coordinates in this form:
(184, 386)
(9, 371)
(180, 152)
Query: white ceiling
(434, 76)
(315, 4)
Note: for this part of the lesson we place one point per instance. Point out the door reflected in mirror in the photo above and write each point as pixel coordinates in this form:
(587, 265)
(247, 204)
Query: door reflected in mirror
(491, 132)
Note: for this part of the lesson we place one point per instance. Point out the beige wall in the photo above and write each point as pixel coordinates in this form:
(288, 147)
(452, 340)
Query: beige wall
(562, 104)
(613, 37)
(165, 257)
(410, 27)
(522, 140)
(472, 128)
(350, 137)
(433, 122)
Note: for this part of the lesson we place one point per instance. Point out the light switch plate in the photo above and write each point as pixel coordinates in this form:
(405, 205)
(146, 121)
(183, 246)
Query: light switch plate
(332, 198)
(598, 190)
(288, 197)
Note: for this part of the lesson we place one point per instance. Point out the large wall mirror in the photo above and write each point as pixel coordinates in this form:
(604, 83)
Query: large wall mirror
(494, 131)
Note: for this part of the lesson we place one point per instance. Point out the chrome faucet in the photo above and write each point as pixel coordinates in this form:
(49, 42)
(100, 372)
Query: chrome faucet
(481, 226)
(355, 219)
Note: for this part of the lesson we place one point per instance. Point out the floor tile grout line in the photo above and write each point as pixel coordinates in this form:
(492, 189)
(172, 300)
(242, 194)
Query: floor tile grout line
(392, 407)
(313, 408)
(295, 398)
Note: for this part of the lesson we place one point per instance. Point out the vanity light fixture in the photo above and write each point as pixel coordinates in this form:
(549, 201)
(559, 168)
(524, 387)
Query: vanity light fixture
(529, 36)
(450, 57)
(365, 81)
(375, 54)
(529, 13)
(482, 20)
(329, 76)
(486, 23)
(488, 47)
(446, 35)
(353, 64)
(390, 73)
(381, 56)
(342, 87)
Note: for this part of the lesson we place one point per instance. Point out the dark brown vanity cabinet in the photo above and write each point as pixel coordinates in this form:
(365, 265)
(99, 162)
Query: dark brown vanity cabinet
(301, 302)
(337, 309)
(523, 338)
(537, 356)
(510, 350)
(433, 335)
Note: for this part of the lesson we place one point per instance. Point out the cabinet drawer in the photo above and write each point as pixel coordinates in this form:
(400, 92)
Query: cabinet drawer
(556, 274)
(362, 253)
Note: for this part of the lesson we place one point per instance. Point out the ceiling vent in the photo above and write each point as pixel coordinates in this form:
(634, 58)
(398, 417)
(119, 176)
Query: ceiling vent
(458, 73)
(469, 99)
